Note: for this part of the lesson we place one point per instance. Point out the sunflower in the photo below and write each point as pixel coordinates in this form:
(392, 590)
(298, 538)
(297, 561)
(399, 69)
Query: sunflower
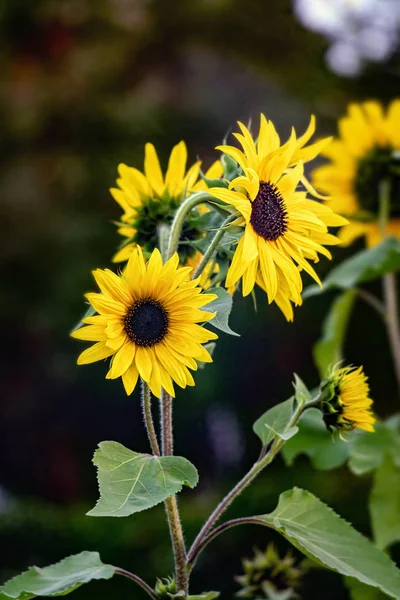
(149, 199)
(282, 227)
(346, 404)
(365, 154)
(147, 322)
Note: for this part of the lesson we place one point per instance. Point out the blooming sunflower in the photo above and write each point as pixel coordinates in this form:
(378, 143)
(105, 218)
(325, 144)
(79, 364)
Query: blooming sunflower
(149, 199)
(148, 322)
(282, 227)
(365, 154)
(346, 404)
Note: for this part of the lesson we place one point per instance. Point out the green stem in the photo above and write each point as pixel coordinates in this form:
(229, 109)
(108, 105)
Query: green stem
(259, 466)
(148, 418)
(137, 580)
(163, 233)
(212, 247)
(392, 320)
(384, 205)
(171, 504)
(180, 216)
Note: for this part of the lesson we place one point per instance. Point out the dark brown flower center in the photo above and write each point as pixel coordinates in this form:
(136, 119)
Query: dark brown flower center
(146, 322)
(268, 212)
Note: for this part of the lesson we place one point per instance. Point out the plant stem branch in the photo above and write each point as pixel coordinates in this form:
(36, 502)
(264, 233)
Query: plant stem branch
(148, 418)
(212, 247)
(259, 466)
(137, 580)
(372, 301)
(392, 320)
(220, 529)
(180, 216)
(171, 504)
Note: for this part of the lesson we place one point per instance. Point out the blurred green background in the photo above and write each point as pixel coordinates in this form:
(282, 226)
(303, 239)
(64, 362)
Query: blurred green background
(84, 84)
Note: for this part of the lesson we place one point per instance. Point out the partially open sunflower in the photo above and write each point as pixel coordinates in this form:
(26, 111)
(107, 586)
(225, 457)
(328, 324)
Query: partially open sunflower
(148, 322)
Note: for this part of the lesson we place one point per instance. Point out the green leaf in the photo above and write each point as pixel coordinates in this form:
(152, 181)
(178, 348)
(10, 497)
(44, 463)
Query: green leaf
(314, 440)
(89, 313)
(210, 347)
(328, 350)
(275, 423)
(222, 306)
(57, 580)
(203, 596)
(362, 267)
(130, 482)
(384, 504)
(318, 532)
(368, 450)
(360, 591)
(301, 392)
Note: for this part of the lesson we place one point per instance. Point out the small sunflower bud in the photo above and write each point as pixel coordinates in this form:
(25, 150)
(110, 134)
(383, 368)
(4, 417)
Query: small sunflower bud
(269, 576)
(165, 587)
(345, 401)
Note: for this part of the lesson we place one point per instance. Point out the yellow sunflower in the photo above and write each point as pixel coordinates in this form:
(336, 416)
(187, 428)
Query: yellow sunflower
(149, 199)
(282, 227)
(148, 322)
(365, 154)
(346, 404)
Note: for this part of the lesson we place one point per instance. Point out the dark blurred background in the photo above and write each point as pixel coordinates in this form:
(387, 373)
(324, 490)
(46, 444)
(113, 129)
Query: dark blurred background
(84, 84)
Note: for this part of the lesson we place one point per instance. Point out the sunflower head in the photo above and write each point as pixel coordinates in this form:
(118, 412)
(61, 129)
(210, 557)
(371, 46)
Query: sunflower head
(269, 575)
(282, 229)
(345, 400)
(150, 199)
(365, 154)
(148, 323)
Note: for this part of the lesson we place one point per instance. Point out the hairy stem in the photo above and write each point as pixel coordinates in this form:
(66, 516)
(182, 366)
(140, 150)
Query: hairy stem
(180, 216)
(392, 320)
(137, 580)
(171, 504)
(148, 418)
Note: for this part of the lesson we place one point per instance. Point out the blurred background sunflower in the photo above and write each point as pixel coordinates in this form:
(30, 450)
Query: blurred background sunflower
(85, 84)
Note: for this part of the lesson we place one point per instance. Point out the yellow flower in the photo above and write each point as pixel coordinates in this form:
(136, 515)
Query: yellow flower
(210, 269)
(149, 199)
(345, 400)
(147, 322)
(363, 156)
(282, 228)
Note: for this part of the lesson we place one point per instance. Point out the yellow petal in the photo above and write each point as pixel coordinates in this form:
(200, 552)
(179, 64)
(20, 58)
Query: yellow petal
(94, 353)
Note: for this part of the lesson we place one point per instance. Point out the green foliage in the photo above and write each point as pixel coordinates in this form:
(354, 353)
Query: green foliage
(384, 504)
(318, 532)
(275, 423)
(222, 306)
(314, 440)
(57, 580)
(360, 591)
(328, 350)
(369, 450)
(301, 392)
(130, 482)
(364, 266)
(203, 596)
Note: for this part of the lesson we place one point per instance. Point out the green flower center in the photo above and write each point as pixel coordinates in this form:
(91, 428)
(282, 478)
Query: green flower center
(268, 212)
(153, 212)
(146, 322)
(377, 165)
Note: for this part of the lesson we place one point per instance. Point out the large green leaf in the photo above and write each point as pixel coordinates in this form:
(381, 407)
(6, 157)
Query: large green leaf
(275, 422)
(318, 532)
(222, 306)
(314, 440)
(328, 350)
(130, 482)
(384, 504)
(59, 579)
(362, 267)
(368, 450)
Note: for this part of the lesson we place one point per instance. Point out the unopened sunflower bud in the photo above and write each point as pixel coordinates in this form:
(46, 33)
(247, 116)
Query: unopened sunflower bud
(345, 401)
(165, 586)
(269, 576)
